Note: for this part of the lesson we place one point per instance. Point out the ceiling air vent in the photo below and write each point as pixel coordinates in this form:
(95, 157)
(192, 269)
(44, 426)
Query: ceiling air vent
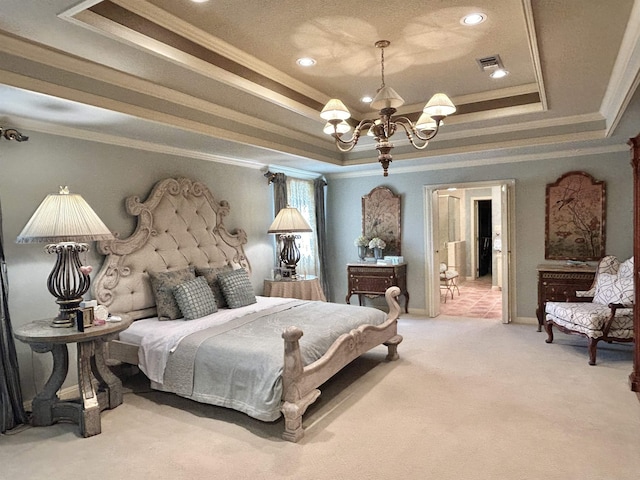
(488, 64)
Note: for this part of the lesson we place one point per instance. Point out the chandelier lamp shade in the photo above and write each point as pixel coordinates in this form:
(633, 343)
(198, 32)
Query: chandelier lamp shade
(387, 101)
(65, 221)
(287, 224)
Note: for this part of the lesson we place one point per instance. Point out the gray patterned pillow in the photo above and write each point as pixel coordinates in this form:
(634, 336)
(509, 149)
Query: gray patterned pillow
(211, 275)
(195, 298)
(236, 288)
(162, 284)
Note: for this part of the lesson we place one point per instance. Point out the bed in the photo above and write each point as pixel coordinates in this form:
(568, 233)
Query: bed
(263, 356)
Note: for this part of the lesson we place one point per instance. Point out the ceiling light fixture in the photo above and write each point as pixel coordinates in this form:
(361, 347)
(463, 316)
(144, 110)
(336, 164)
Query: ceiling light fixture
(387, 101)
(499, 73)
(473, 19)
(493, 65)
(306, 62)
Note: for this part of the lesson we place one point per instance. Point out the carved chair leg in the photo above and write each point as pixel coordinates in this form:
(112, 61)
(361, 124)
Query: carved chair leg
(548, 326)
(593, 345)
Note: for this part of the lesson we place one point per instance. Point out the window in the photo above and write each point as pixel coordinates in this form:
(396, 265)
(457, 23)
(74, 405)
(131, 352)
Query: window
(300, 195)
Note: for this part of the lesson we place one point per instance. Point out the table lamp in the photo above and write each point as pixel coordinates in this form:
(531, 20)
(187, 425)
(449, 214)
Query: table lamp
(64, 219)
(287, 223)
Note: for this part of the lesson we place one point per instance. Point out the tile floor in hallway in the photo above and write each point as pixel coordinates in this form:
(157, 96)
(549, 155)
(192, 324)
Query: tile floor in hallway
(476, 300)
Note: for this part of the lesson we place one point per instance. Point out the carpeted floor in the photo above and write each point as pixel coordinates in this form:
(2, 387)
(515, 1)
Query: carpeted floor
(468, 400)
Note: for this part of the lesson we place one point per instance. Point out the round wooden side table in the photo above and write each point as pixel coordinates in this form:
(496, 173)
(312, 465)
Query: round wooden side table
(92, 371)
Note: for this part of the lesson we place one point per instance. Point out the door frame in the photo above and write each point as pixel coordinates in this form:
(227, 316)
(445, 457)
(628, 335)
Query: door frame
(508, 234)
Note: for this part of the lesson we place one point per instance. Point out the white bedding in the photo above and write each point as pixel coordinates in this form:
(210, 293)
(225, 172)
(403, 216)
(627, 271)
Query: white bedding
(157, 339)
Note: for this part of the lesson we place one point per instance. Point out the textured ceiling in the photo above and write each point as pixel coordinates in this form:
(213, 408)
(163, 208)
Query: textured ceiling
(219, 80)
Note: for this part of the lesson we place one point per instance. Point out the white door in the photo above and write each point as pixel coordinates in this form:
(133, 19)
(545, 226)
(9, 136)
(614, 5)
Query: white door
(431, 214)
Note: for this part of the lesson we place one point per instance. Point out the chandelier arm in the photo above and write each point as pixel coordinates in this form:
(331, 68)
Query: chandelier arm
(409, 130)
(415, 131)
(348, 145)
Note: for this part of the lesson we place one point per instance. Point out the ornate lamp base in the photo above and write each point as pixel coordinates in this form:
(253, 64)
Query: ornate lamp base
(290, 255)
(67, 282)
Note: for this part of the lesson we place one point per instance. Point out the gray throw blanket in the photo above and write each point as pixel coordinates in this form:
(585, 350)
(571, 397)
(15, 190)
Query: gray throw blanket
(239, 365)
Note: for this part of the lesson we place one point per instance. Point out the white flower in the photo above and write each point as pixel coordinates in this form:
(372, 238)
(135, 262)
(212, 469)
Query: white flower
(377, 243)
(361, 241)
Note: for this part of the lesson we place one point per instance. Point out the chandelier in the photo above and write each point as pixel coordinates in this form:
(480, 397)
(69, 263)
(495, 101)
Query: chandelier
(387, 101)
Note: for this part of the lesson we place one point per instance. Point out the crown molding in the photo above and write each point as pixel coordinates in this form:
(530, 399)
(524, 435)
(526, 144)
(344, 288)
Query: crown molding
(211, 42)
(625, 76)
(462, 163)
(534, 52)
(88, 69)
(185, 60)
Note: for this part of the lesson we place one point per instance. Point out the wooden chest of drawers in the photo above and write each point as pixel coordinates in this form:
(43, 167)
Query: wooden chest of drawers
(559, 283)
(373, 280)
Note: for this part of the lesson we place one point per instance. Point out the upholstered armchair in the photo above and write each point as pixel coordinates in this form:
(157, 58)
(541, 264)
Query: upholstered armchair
(608, 316)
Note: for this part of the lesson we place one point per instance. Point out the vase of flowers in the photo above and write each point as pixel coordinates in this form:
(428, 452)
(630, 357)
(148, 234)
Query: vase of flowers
(362, 243)
(377, 244)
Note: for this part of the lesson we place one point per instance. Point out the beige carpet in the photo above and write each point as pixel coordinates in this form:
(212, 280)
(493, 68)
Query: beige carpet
(468, 399)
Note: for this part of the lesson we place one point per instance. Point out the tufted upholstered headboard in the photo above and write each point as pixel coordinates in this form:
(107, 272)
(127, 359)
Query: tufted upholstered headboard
(180, 224)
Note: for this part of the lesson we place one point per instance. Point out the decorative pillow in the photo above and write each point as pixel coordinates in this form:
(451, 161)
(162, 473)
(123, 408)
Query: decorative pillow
(211, 275)
(162, 284)
(614, 289)
(195, 298)
(626, 268)
(236, 288)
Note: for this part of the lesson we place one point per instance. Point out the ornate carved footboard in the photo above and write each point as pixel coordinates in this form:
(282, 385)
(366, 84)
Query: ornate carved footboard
(301, 383)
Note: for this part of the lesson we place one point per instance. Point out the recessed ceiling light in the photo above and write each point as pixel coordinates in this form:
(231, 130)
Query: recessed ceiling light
(499, 73)
(366, 99)
(199, 1)
(473, 19)
(306, 62)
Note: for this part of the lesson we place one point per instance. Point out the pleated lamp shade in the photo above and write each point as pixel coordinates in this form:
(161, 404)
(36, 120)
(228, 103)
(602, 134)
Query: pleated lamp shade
(64, 217)
(289, 220)
(387, 97)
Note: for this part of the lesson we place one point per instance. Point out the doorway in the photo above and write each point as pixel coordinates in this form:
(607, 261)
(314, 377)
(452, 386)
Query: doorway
(485, 239)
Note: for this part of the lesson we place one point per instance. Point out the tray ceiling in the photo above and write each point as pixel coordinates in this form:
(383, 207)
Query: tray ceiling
(219, 80)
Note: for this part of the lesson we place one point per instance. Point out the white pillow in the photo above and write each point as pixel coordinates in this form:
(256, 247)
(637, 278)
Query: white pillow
(626, 268)
(614, 289)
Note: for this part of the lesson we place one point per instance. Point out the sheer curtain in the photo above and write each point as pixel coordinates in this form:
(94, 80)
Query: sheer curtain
(12, 413)
(301, 195)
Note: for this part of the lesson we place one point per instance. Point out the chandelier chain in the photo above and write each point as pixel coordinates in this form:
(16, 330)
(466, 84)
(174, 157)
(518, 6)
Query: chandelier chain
(382, 65)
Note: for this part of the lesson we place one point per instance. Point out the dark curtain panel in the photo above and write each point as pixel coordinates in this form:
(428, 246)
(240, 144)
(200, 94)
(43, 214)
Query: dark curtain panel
(279, 181)
(321, 225)
(12, 412)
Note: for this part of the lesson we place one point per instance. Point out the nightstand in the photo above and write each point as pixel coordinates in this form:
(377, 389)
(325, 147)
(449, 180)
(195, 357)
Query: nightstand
(92, 372)
(371, 279)
(559, 283)
(303, 289)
